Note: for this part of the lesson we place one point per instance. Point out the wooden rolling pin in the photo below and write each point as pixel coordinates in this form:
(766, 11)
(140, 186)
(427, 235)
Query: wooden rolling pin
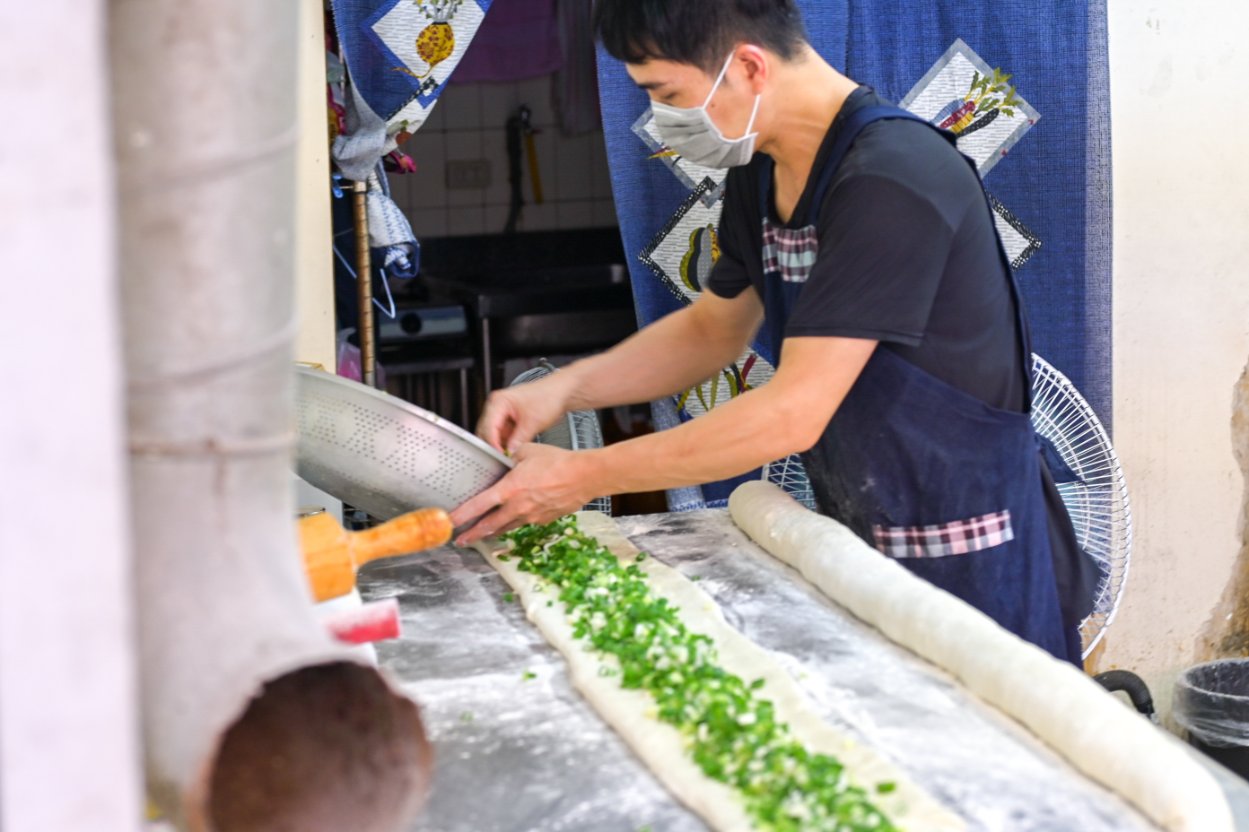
(332, 554)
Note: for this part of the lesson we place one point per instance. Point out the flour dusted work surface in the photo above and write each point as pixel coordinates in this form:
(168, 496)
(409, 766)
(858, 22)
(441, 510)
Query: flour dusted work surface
(518, 749)
(715, 717)
(1058, 703)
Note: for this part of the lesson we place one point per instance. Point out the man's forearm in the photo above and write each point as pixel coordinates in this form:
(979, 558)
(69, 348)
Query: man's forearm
(736, 437)
(785, 416)
(788, 414)
(665, 358)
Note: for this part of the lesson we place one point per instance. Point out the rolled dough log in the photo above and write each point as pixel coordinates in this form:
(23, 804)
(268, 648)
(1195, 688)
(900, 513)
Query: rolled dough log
(1062, 706)
(632, 712)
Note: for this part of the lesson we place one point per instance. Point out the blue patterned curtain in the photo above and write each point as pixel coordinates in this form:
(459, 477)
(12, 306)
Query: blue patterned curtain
(1023, 83)
(399, 54)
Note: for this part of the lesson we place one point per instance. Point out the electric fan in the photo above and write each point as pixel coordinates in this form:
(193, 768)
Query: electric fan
(790, 475)
(1089, 480)
(577, 431)
(1092, 488)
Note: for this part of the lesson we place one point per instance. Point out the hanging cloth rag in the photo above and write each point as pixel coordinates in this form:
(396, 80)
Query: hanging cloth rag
(519, 40)
(389, 230)
(399, 55)
(576, 83)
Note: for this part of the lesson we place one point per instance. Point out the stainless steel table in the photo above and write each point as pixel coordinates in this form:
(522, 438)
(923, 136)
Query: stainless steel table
(577, 309)
(518, 749)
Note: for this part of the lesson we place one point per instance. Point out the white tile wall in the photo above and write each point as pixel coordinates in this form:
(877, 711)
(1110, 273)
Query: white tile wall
(494, 150)
(436, 121)
(536, 92)
(544, 217)
(427, 187)
(462, 108)
(429, 222)
(495, 218)
(600, 175)
(466, 216)
(497, 98)
(573, 174)
(575, 213)
(465, 145)
(604, 214)
(469, 123)
(551, 151)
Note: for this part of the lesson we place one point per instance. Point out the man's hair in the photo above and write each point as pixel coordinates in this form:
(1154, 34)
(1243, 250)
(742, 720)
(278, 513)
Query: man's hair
(698, 32)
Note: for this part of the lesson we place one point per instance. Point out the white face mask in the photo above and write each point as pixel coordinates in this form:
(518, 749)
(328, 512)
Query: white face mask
(691, 132)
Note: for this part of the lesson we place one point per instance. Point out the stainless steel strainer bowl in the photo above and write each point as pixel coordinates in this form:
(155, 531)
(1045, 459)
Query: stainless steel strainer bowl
(383, 455)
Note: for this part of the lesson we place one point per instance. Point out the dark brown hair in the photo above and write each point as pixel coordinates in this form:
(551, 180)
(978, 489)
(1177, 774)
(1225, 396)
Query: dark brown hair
(698, 32)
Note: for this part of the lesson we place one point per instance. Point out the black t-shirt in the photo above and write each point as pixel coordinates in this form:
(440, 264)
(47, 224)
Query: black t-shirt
(908, 257)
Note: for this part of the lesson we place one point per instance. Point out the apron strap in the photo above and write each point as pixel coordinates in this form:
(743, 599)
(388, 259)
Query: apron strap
(850, 130)
(851, 127)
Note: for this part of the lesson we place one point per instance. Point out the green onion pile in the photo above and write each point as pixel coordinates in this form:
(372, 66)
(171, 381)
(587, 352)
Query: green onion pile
(731, 731)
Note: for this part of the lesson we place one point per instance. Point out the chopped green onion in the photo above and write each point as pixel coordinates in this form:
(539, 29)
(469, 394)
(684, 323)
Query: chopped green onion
(730, 731)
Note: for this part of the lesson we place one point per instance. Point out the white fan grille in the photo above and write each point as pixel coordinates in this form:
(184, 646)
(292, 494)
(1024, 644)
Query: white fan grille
(790, 474)
(577, 431)
(1098, 504)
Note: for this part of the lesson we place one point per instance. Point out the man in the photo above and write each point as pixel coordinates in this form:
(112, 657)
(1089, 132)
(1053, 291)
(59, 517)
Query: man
(866, 240)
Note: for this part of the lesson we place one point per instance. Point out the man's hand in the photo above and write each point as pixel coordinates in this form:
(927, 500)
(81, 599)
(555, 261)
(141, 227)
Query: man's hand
(516, 415)
(546, 484)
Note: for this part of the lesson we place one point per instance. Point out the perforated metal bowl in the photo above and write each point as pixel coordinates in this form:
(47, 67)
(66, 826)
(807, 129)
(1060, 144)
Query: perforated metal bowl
(383, 455)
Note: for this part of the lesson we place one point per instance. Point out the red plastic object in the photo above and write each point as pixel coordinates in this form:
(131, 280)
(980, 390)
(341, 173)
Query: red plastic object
(377, 621)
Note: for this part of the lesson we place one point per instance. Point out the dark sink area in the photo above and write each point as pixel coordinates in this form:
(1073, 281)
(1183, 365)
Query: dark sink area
(535, 294)
(555, 277)
(532, 251)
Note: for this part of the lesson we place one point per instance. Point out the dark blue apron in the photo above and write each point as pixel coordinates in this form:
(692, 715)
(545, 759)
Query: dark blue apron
(927, 474)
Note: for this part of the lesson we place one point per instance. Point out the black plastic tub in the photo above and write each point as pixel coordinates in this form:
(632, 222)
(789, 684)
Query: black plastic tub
(1212, 704)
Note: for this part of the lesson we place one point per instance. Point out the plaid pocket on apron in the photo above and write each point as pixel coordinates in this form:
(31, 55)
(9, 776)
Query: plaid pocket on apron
(958, 538)
(790, 252)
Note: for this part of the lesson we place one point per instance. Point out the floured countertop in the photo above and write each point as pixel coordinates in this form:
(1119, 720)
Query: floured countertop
(518, 750)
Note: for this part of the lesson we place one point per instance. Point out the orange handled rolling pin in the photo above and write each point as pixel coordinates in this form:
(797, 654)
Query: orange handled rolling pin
(332, 554)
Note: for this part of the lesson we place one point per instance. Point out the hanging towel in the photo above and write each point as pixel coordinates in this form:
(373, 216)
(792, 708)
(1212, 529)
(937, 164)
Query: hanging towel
(389, 230)
(519, 39)
(399, 55)
(576, 84)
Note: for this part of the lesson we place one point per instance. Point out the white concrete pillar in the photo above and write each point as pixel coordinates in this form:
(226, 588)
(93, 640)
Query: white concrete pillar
(254, 718)
(1181, 319)
(314, 259)
(69, 757)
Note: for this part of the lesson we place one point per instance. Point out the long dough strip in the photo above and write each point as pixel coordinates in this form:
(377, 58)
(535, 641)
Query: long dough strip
(659, 745)
(1059, 704)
